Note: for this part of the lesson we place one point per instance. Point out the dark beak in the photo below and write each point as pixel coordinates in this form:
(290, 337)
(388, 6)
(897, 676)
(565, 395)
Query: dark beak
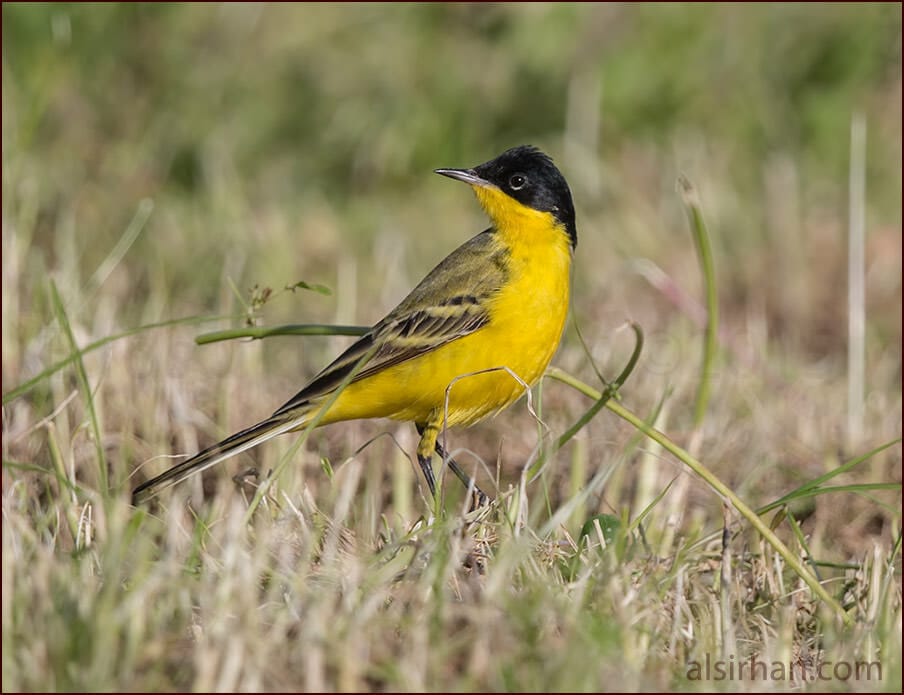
(466, 175)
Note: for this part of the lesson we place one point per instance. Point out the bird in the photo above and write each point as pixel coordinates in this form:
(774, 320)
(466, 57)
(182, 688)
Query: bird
(448, 355)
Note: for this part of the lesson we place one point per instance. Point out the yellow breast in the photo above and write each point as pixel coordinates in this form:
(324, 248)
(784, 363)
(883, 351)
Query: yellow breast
(526, 319)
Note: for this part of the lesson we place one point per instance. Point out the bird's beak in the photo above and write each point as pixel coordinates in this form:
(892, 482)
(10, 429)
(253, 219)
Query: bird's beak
(466, 175)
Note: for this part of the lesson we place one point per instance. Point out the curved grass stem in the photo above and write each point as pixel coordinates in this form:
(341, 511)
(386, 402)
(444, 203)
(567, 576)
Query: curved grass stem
(258, 332)
(714, 482)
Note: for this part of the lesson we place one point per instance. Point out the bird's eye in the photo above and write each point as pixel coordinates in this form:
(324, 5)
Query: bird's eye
(517, 182)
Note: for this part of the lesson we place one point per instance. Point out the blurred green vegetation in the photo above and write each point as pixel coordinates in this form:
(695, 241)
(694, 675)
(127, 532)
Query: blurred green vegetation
(276, 140)
(343, 99)
(326, 120)
(403, 86)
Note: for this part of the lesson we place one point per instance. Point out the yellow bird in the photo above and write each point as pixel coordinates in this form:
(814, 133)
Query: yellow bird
(494, 307)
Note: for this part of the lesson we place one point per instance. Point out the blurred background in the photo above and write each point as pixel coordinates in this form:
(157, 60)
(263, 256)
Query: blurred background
(160, 161)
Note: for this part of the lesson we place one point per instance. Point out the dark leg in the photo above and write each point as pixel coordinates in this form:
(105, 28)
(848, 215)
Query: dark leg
(427, 468)
(429, 442)
(428, 434)
(480, 497)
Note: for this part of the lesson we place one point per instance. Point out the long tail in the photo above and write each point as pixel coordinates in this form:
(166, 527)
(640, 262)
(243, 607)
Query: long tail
(273, 426)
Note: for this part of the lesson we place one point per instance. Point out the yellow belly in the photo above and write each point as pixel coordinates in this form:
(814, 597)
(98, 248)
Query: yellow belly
(526, 322)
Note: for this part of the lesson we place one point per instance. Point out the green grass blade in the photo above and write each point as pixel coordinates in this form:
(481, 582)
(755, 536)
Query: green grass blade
(716, 484)
(118, 252)
(40, 470)
(812, 485)
(590, 413)
(259, 332)
(82, 374)
(651, 506)
(705, 256)
(27, 386)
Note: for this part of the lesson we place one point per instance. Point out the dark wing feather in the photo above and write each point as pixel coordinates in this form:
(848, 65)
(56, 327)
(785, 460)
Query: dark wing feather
(450, 303)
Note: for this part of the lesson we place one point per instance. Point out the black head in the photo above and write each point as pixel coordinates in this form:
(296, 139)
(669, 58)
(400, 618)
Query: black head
(529, 176)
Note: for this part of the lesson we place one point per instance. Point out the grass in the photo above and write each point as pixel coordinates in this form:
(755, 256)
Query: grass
(143, 198)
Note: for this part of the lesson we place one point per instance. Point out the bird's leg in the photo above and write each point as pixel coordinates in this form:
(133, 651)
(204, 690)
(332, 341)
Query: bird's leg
(429, 438)
(480, 497)
(425, 447)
